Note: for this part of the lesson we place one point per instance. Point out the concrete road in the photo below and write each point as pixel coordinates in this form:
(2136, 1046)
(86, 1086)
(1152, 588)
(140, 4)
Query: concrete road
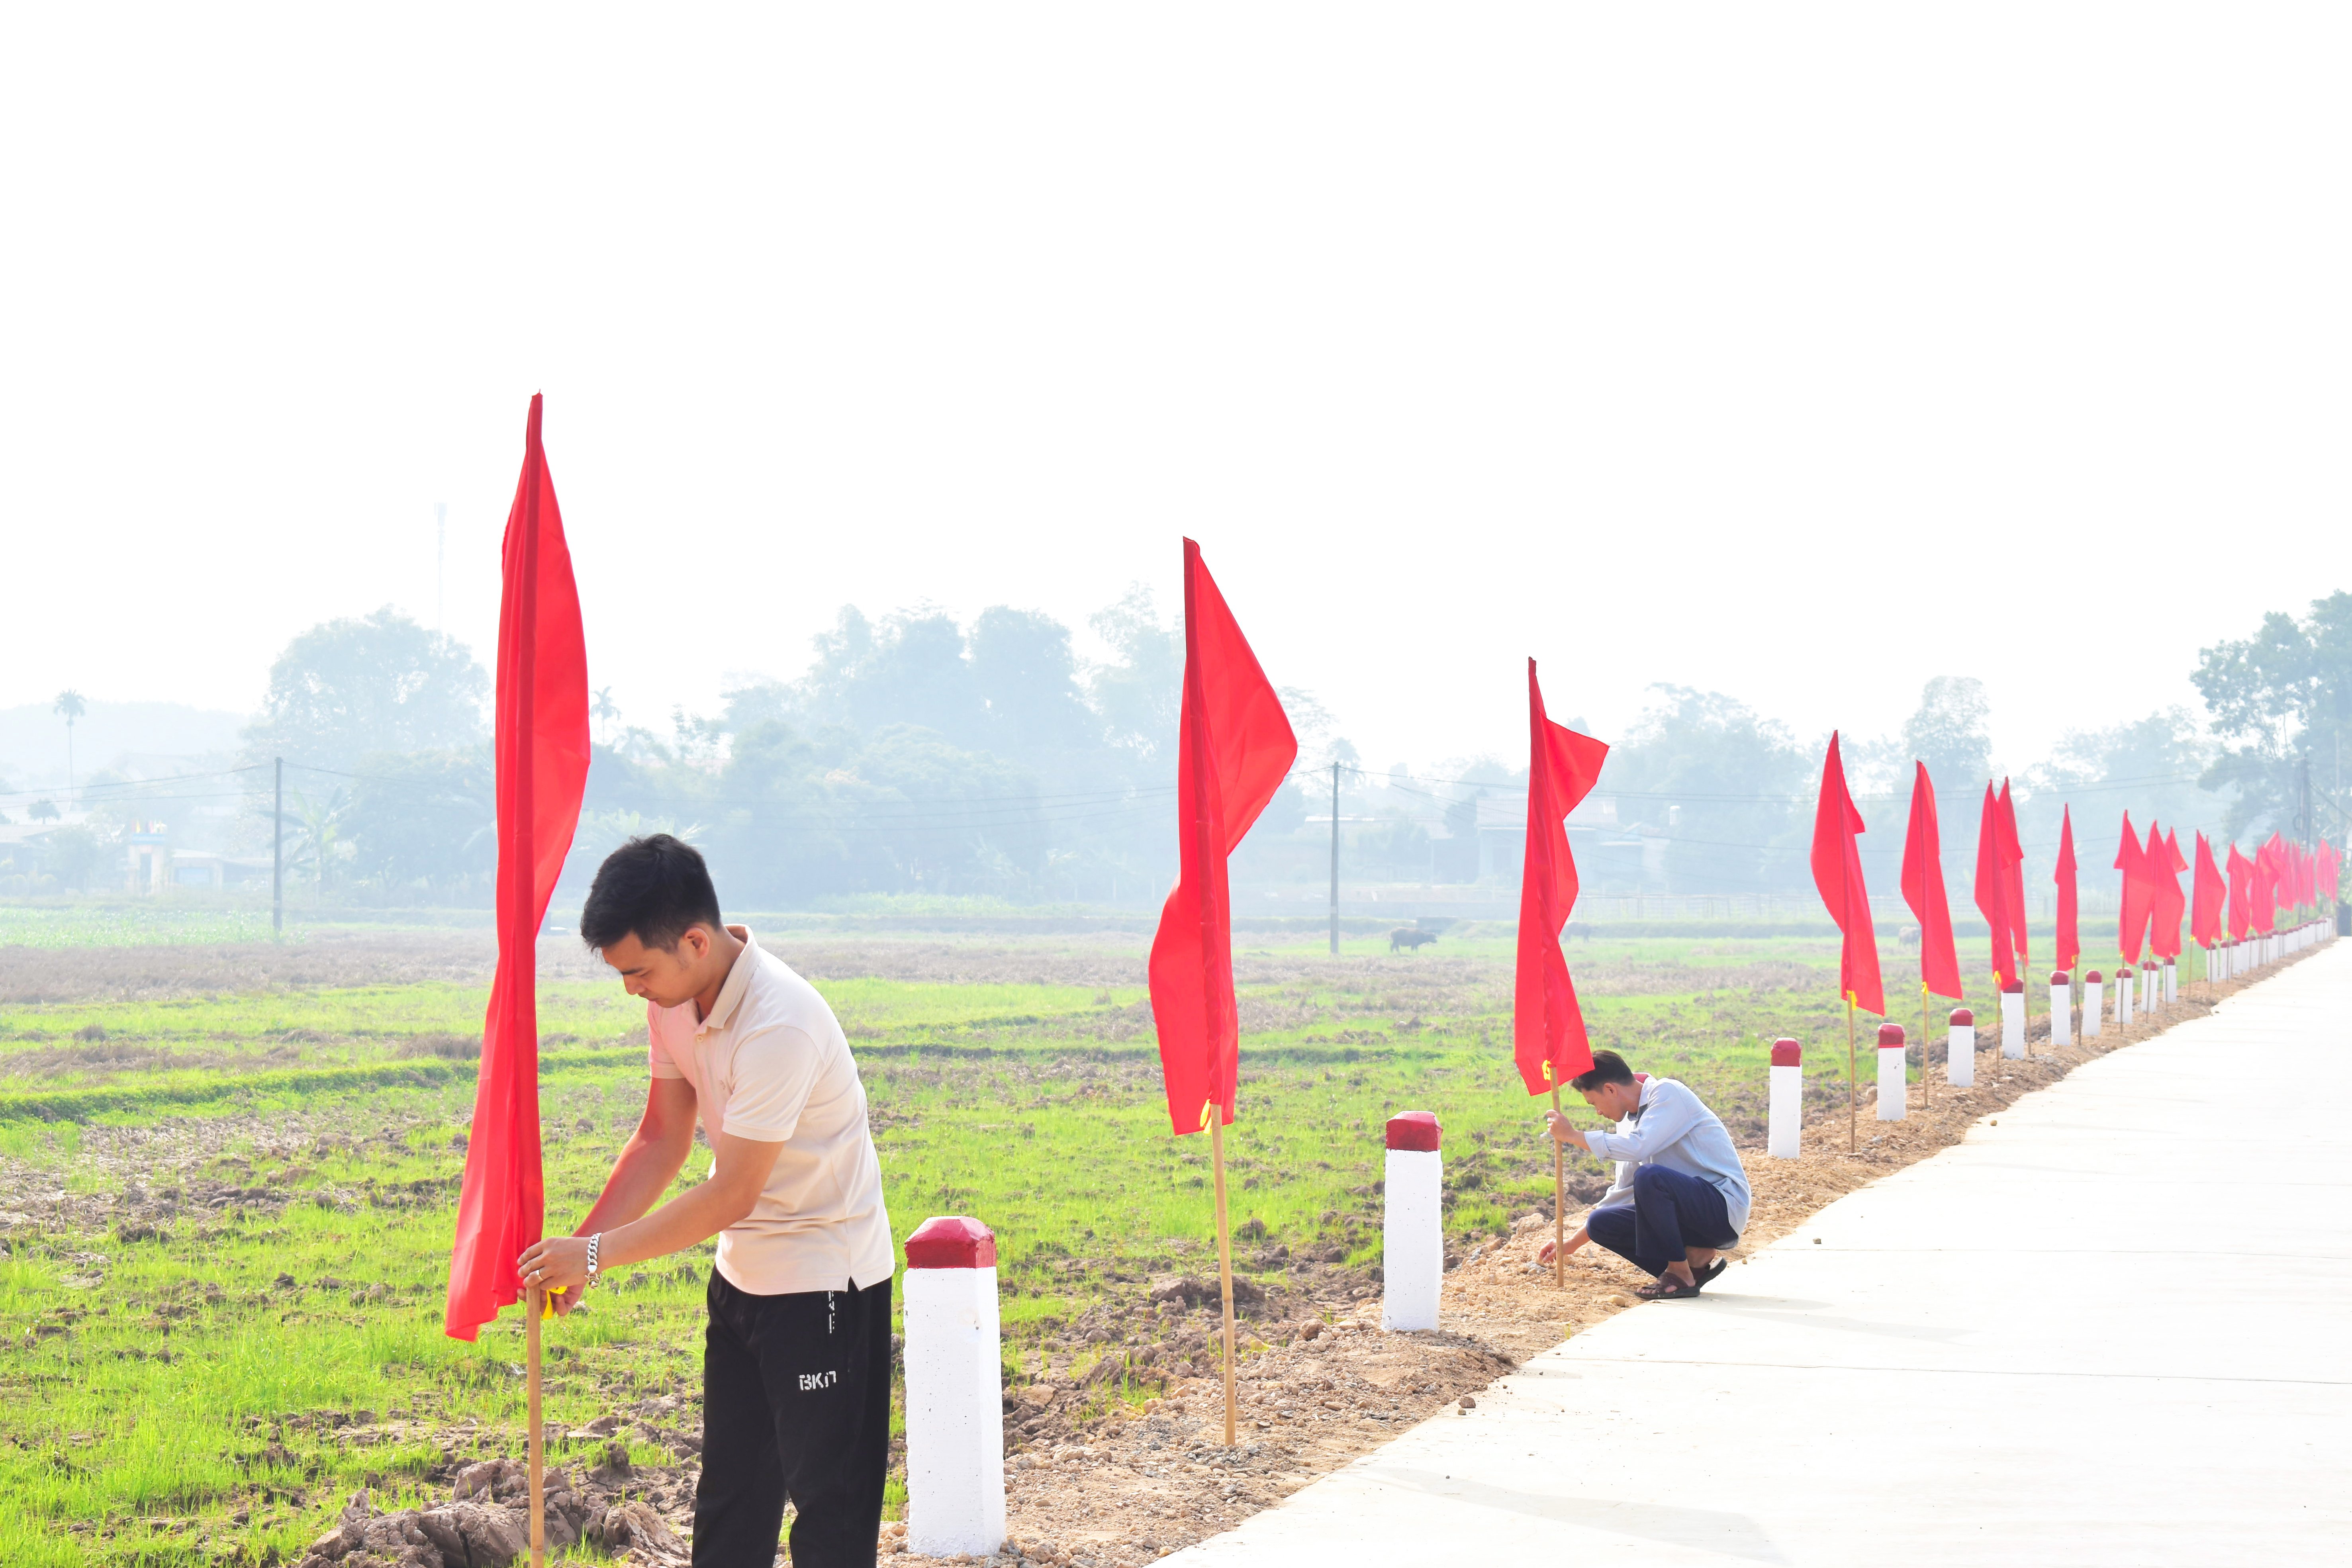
(2117, 1327)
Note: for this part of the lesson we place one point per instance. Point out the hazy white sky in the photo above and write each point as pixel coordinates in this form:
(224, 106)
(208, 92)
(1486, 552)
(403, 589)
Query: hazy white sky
(1798, 352)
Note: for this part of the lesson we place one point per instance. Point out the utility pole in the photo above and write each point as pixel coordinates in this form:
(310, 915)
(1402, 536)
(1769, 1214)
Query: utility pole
(2306, 800)
(277, 851)
(440, 561)
(1335, 860)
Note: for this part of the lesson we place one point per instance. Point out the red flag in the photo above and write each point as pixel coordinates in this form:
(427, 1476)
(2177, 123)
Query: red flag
(541, 750)
(2012, 860)
(2070, 939)
(1235, 747)
(1992, 891)
(2266, 886)
(2164, 866)
(1837, 873)
(2329, 865)
(1548, 1035)
(2241, 895)
(2132, 861)
(1923, 890)
(2205, 915)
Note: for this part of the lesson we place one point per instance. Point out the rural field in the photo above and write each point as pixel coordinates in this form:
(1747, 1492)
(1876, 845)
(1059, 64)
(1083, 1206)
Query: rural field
(228, 1165)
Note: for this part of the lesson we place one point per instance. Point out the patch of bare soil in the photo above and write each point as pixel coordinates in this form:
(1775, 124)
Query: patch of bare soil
(138, 974)
(1119, 1489)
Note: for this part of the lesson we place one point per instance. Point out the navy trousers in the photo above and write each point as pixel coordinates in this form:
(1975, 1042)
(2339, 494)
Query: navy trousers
(1671, 1213)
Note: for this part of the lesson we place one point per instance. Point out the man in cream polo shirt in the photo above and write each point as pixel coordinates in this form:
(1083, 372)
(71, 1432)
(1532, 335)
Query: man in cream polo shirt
(796, 1358)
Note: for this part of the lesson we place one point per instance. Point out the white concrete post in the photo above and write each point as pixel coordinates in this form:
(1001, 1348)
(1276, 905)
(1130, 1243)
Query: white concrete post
(1960, 1050)
(2013, 1022)
(2171, 981)
(2061, 1009)
(1412, 1229)
(1894, 1080)
(955, 1389)
(2151, 987)
(2125, 978)
(1784, 1112)
(2093, 998)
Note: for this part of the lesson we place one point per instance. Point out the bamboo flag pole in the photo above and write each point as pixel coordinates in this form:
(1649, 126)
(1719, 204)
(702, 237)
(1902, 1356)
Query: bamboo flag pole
(1926, 1077)
(1558, 1198)
(1224, 1259)
(1850, 1133)
(533, 1305)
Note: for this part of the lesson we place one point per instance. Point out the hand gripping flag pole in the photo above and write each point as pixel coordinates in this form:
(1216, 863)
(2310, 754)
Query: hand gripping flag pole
(1548, 1038)
(542, 747)
(1235, 747)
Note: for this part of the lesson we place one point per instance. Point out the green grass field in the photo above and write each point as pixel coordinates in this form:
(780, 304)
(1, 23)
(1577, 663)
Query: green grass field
(236, 1209)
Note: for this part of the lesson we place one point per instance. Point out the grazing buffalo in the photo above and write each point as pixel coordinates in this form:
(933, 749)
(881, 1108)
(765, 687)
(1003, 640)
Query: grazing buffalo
(1406, 936)
(1907, 937)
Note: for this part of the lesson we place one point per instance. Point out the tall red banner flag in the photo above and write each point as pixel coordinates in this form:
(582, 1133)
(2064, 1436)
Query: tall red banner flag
(2209, 889)
(2070, 937)
(2265, 885)
(1234, 749)
(2164, 866)
(1837, 873)
(1548, 1037)
(2012, 860)
(2132, 861)
(2329, 865)
(1923, 890)
(1991, 890)
(2241, 895)
(542, 757)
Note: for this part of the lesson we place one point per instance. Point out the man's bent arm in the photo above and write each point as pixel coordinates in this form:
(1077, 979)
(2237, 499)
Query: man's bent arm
(561, 1263)
(655, 1152)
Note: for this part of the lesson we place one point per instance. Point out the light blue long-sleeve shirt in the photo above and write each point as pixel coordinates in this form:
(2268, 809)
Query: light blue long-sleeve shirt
(1674, 1129)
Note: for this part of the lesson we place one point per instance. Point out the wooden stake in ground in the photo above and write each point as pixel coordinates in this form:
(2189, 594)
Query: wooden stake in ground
(1559, 1202)
(1224, 1261)
(1849, 1091)
(532, 1306)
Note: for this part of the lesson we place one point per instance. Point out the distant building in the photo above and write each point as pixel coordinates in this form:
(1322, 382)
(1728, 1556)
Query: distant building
(1603, 850)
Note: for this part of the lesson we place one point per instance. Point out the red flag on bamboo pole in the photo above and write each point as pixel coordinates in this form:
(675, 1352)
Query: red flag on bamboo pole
(2132, 861)
(2241, 895)
(2208, 889)
(2330, 864)
(542, 758)
(2166, 864)
(1923, 890)
(2266, 886)
(1235, 747)
(1991, 890)
(2070, 937)
(1548, 1037)
(2012, 860)
(1837, 873)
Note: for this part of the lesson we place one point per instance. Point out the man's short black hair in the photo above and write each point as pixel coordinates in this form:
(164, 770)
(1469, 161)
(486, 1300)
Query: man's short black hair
(652, 889)
(1608, 1067)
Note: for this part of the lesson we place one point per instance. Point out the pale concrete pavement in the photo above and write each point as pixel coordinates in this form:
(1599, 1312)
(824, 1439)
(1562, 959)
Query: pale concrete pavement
(2109, 1329)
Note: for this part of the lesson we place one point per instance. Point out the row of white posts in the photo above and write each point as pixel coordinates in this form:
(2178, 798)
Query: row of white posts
(955, 1412)
(2153, 987)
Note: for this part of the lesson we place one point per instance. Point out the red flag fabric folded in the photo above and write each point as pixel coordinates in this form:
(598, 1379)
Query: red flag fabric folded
(2241, 895)
(2012, 860)
(1992, 891)
(2208, 889)
(2070, 938)
(1837, 873)
(541, 759)
(2132, 861)
(1923, 890)
(1548, 1038)
(2165, 865)
(2330, 865)
(1234, 749)
(2265, 885)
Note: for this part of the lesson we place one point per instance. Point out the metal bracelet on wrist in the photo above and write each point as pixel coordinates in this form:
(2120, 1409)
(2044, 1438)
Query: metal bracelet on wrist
(592, 1243)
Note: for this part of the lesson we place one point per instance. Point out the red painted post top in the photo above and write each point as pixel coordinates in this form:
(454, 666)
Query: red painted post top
(952, 1241)
(2014, 988)
(1890, 1036)
(2092, 978)
(2060, 977)
(1787, 1054)
(1963, 1020)
(1414, 1130)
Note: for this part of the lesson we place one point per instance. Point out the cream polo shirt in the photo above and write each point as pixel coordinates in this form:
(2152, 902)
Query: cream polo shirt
(771, 1063)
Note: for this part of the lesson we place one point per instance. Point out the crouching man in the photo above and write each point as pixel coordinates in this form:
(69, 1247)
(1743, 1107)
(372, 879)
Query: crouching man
(1680, 1195)
(796, 1356)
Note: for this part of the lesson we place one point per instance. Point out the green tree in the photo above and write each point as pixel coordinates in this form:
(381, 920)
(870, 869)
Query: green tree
(425, 822)
(69, 707)
(2278, 700)
(43, 810)
(380, 683)
(1721, 784)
